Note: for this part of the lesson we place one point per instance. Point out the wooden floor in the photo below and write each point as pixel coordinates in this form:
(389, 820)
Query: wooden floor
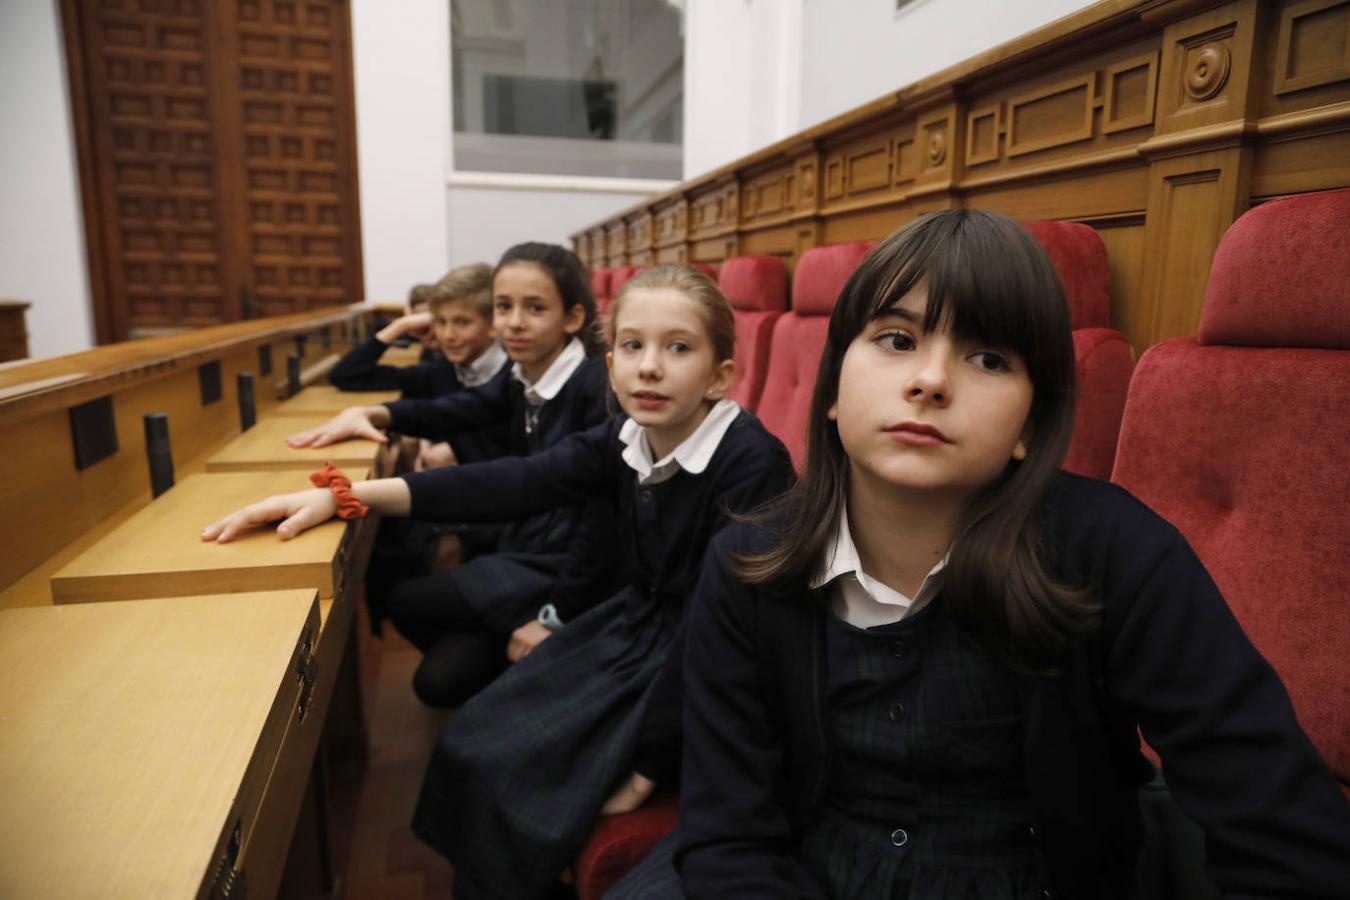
(374, 850)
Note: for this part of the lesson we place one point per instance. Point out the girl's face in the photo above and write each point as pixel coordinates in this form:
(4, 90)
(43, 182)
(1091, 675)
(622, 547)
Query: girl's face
(529, 318)
(662, 368)
(461, 332)
(928, 412)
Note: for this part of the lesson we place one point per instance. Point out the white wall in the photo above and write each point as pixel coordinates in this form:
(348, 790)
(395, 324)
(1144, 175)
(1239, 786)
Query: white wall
(402, 71)
(42, 258)
(484, 221)
(857, 50)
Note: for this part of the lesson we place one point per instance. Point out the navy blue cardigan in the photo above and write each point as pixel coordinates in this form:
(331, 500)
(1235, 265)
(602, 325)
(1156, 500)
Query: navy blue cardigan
(581, 403)
(359, 369)
(1168, 658)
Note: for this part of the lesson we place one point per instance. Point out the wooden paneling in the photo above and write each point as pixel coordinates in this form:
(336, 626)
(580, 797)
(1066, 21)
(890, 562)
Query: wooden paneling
(13, 330)
(154, 163)
(1156, 121)
(218, 172)
(59, 503)
(299, 172)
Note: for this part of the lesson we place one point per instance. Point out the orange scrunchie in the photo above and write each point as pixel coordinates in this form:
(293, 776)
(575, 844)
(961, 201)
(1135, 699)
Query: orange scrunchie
(331, 477)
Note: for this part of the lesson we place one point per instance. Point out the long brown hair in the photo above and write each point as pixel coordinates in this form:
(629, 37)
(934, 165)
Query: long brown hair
(993, 283)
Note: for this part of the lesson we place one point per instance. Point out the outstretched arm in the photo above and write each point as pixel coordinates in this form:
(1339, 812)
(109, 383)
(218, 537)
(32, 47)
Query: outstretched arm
(304, 509)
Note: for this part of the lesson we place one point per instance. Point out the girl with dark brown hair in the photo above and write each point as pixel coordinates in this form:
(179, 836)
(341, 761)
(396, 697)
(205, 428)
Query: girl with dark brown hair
(923, 674)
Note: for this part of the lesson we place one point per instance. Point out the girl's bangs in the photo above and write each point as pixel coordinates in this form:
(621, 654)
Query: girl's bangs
(984, 279)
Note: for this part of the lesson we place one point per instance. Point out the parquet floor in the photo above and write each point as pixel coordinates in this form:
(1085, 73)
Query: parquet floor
(374, 849)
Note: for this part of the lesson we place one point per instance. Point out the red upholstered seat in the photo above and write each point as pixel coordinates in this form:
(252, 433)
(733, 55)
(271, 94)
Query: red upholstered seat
(1240, 436)
(600, 284)
(1080, 256)
(799, 339)
(757, 289)
(1103, 357)
(618, 843)
(619, 277)
(707, 269)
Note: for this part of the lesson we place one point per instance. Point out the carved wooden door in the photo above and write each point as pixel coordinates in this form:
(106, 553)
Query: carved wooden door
(217, 159)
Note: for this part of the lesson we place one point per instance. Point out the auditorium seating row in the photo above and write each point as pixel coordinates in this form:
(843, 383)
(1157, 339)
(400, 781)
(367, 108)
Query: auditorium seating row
(1239, 436)
(778, 344)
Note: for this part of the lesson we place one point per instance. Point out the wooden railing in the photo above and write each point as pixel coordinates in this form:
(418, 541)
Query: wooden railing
(1157, 122)
(56, 499)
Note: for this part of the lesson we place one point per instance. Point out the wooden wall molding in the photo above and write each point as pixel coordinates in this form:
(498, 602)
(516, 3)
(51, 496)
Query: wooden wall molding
(1156, 121)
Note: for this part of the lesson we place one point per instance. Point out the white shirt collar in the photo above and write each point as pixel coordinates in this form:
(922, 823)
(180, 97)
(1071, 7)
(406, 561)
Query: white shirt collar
(546, 388)
(481, 370)
(692, 455)
(862, 600)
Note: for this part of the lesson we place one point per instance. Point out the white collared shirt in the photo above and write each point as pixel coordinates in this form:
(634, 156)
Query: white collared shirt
(481, 370)
(861, 600)
(537, 393)
(692, 455)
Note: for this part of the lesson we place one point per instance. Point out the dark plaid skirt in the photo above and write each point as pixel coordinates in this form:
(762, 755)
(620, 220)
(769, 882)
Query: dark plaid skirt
(654, 878)
(506, 590)
(519, 774)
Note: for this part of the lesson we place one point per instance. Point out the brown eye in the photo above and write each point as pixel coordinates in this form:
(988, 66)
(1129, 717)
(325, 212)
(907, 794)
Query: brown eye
(898, 341)
(990, 361)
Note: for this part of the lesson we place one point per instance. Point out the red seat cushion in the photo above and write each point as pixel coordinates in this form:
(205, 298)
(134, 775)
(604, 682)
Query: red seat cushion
(1244, 449)
(600, 283)
(756, 286)
(1081, 260)
(799, 340)
(1103, 361)
(618, 843)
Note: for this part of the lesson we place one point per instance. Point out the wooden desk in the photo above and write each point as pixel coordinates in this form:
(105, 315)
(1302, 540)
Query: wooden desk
(325, 400)
(158, 552)
(263, 448)
(410, 355)
(144, 742)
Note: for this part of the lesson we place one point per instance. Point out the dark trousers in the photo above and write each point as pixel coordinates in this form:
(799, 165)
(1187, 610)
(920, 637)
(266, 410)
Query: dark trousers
(460, 654)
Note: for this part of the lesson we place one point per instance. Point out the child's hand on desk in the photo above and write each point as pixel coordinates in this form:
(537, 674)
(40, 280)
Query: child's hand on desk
(524, 639)
(353, 422)
(301, 511)
(433, 456)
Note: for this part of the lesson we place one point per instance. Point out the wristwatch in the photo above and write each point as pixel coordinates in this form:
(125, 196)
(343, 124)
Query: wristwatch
(548, 617)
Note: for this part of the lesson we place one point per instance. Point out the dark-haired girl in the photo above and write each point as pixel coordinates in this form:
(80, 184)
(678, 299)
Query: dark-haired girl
(922, 675)
(464, 619)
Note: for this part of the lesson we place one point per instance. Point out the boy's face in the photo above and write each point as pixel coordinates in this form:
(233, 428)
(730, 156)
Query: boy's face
(460, 332)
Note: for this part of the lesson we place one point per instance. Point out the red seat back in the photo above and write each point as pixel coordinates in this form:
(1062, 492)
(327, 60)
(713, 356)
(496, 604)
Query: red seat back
(756, 286)
(799, 340)
(619, 277)
(1103, 357)
(1080, 257)
(600, 284)
(1240, 437)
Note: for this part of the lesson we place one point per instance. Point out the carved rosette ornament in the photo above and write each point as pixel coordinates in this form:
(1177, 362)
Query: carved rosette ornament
(1207, 72)
(937, 147)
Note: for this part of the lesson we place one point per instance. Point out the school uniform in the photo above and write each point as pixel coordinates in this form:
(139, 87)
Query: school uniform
(402, 548)
(829, 759)
(520, 773)
(359, 369)
(461, 619)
